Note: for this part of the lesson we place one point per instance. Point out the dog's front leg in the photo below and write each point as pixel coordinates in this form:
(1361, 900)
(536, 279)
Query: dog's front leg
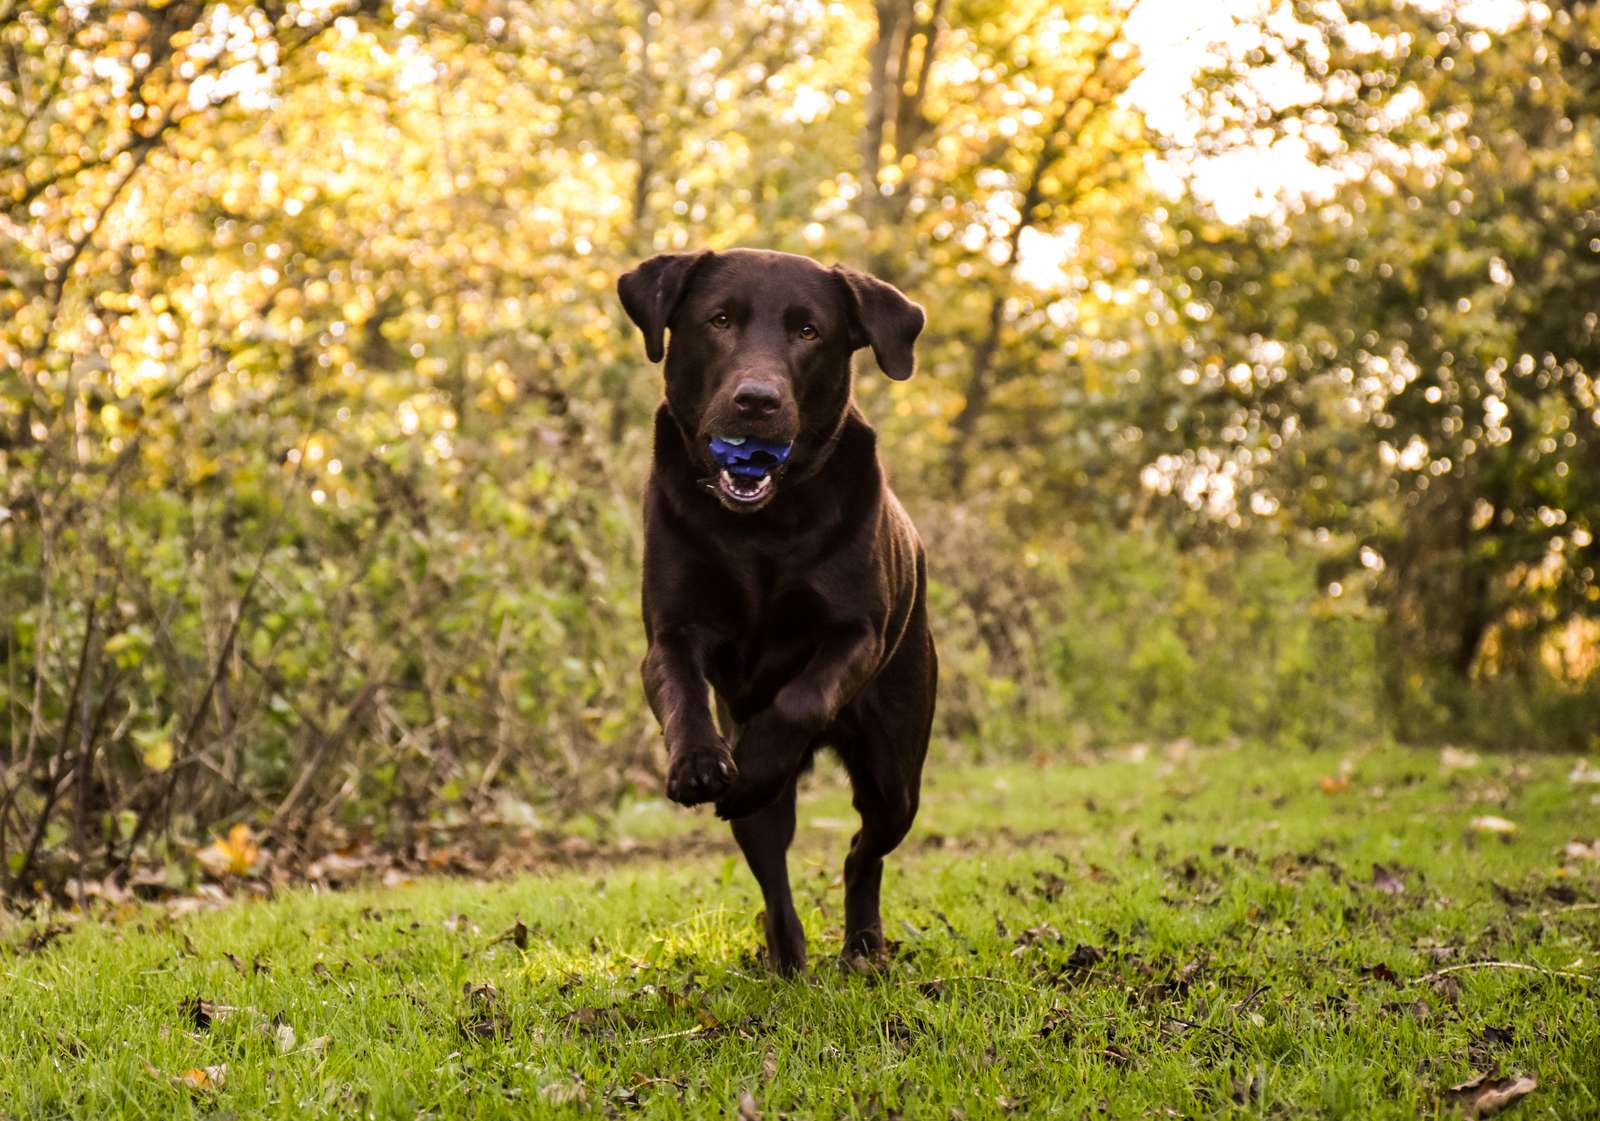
(700, 767)
(773, 744)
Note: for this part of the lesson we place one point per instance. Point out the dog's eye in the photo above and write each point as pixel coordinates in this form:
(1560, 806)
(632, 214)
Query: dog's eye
(721, 320)
(808, 332)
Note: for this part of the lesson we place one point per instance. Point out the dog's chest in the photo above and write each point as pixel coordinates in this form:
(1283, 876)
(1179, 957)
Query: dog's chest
(776, 622)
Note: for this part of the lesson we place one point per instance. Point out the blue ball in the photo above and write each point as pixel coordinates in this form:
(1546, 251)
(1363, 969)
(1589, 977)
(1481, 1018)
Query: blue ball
(747, 456)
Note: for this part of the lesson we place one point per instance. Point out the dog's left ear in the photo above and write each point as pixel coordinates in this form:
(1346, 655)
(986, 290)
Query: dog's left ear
(882, 318)
(650, 294)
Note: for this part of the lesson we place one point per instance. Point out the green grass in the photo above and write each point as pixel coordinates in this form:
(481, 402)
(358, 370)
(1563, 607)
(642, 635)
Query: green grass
(1198, 935)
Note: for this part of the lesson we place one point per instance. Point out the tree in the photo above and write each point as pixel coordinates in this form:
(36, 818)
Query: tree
(1404, 363)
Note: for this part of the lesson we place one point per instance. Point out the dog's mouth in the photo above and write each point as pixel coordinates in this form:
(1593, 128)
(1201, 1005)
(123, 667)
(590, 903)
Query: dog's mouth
(748, 469)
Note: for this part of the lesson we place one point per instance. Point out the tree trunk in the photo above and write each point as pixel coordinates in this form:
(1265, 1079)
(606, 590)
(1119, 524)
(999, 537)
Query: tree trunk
(639, 229)
(881, 93)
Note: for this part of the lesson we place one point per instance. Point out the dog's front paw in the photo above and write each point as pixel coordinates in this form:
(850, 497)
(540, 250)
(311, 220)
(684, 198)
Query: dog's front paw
(700, 774)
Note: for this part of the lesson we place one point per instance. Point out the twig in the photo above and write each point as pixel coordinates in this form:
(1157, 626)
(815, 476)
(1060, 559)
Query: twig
(978, 977)
(669, 1035)
(1571, 907)
(1505, 965)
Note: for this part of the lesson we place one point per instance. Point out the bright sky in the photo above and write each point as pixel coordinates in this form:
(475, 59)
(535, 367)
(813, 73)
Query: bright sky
(1175, 38)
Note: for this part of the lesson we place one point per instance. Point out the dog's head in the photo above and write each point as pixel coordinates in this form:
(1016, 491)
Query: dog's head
(758, 373)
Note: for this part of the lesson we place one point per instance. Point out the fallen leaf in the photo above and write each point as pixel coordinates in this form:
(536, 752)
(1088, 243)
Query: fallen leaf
(1497, 1037)
(1507, 896)
(1334, 784)
(516, 934)
(1584, 772)
(1381, 972)
(237, 854)
(1455, 759)
(202, 1013)
(1578, 849)
(1562, 893)
(337, 867)
(769, 1065)
(483, 1018)
(284, 1034)
(1035, 935)
(460, 923)
(1084, 957)
(1386, 881)
(43, 936)
(1057, 1024)
(748, 1110)
(1489, 823)
(204, 1078)
(564, 1091)
(1483, 1096)
(1186, 975)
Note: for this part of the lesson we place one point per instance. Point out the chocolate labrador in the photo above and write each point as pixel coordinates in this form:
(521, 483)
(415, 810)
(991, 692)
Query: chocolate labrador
(779, 567)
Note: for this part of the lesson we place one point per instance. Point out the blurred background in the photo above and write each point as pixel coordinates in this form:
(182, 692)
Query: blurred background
(1257, 401)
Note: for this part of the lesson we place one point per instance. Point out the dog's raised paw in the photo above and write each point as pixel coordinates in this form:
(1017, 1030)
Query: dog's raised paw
(700, 775)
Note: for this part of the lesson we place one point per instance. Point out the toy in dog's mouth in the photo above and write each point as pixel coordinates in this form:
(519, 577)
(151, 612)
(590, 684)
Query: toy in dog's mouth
(747, 469)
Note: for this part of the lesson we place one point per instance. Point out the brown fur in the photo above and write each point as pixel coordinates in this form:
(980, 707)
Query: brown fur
(805, 612)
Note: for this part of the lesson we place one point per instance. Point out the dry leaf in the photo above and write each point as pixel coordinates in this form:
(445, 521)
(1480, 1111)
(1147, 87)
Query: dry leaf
(1334, 784)
(1454, 759)
(337, 867)
(564, 1092)
(1489, 823)
(1584, 772)
(1580, 850)
(1386, 881)
(483, 1018)
(1484, 1097)
(203, 1013)
(204, 1078)
(1382, 972)
(516, 934)
(748, 1110)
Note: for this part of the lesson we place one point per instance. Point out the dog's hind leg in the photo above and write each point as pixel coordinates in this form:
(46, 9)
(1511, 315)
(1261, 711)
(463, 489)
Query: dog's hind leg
(887, 810)
(883, 746)
(764, 837)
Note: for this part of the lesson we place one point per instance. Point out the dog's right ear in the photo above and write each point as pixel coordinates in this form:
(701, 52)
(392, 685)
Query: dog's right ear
(650, 294)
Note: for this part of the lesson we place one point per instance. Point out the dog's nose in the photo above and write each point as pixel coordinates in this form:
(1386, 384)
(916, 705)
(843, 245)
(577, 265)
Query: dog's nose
(756, 399)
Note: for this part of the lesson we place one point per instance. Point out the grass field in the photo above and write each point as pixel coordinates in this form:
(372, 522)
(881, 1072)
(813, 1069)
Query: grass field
(1152, 934)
